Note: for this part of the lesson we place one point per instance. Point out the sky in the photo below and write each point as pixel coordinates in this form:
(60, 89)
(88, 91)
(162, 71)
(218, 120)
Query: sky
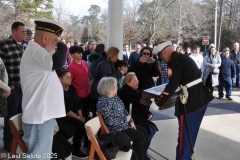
(77, 7)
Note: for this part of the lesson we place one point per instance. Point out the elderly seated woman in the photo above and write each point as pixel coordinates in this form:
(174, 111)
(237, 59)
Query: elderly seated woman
(140, 113)
(116, 117)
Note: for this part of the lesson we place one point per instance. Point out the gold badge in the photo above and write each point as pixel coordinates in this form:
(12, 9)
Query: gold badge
(169, 73)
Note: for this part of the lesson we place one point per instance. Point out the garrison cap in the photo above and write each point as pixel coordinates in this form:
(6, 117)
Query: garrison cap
(48, 25)
(29, 31)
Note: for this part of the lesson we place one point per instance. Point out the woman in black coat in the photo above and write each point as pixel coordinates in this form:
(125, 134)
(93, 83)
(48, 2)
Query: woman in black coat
(146, 69)
(141, 115)
(105, 68)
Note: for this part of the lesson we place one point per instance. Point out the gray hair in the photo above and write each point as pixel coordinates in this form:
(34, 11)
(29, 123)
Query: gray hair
(106, 85)
(128, 78)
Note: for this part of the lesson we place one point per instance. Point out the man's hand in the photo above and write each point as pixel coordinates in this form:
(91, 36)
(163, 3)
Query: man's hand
(149, 117)
(12, 87)
(5, 94)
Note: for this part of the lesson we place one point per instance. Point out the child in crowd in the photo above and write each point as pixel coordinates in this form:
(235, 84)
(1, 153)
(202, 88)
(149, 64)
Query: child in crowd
(122, 66)
(80, 77)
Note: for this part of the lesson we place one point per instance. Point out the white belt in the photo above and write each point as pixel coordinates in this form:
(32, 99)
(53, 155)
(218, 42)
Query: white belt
(194, 83)
(184, 93)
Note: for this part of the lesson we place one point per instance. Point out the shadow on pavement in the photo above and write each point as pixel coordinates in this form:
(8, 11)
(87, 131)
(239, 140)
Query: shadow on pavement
(216, 107)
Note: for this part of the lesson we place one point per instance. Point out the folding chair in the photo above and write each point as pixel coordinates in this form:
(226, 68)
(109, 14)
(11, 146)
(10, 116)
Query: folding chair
(92, 128)
(18, 145)
(104, 130)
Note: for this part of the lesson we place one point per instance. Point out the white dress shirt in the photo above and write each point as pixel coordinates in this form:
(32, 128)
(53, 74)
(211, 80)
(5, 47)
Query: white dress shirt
(126, 53)
(198, 59)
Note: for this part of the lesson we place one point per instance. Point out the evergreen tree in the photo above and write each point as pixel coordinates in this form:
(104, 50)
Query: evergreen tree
(37, 9)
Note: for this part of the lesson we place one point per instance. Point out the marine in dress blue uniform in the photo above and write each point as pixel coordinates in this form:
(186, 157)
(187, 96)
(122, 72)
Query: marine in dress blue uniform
(181, 71)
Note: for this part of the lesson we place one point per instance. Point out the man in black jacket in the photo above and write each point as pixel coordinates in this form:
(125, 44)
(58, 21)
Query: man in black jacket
(182, 71)
(235, 53)
(227, 73)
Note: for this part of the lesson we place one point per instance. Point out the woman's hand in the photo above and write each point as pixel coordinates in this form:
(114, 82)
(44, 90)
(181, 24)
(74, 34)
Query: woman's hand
(149, 117)
(132, 125)
(128, 118)
(152, 59)
(82, 119)
(154, 79)
(5, 94)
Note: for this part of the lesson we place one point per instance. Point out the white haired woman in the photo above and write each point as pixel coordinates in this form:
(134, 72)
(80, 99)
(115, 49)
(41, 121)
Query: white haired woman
(104, 68)
(116, 117)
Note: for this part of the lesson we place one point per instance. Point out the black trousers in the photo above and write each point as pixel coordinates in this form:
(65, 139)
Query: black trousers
(139, 140)
(80, 132)
(94, 106)
(85, 105)
(61, 147)
(14, 103)
(208, 83)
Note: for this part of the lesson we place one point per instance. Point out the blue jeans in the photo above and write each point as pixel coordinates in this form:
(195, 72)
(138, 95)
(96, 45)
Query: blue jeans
(237, 75)
(164, 80)
(228, 86)
(39, 138)
(14, 103)
(152, 132)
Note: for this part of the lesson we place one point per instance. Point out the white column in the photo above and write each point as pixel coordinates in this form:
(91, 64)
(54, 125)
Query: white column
(115, 25)
(215, 23)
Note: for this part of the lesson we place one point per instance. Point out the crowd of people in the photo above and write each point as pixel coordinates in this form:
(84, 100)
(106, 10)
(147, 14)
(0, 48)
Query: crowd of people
(55, 83)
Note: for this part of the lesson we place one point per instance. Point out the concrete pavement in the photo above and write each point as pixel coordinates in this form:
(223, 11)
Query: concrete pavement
(218, 138)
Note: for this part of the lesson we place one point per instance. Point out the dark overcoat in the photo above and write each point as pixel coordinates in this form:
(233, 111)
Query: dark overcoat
(139, 111)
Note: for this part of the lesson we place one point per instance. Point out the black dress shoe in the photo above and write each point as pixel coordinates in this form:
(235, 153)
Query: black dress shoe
(220, 97)
(229, 98)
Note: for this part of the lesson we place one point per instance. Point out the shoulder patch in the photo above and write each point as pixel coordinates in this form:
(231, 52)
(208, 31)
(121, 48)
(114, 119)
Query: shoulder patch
(169, 73)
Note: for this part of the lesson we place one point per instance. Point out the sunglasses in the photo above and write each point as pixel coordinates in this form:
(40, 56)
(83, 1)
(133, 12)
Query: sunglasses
(145, 53)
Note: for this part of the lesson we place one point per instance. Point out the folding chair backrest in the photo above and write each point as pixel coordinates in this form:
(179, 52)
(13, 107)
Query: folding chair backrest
(95, 125)
(18, 145)
(17, 121)
(104, 129)
(92, 127)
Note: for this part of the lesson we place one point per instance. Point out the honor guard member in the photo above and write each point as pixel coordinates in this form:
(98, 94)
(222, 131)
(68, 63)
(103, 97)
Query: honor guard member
(182, 71)
(43, 99)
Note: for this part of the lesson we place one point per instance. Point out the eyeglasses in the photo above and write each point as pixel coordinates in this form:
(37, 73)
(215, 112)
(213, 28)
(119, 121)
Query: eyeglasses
(146, 53)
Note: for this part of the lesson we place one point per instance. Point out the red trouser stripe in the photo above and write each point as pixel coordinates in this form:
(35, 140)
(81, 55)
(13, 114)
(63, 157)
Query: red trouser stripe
(181, 127)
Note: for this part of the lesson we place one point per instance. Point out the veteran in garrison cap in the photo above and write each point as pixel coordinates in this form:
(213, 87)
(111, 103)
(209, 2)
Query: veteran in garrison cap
(183, 71)
(29, 35)
(43, 99)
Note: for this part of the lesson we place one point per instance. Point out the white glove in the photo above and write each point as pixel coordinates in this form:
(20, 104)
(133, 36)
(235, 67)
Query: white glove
(153, 105)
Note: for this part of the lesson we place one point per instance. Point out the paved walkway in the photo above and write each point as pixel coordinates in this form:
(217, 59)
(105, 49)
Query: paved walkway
(218, 137)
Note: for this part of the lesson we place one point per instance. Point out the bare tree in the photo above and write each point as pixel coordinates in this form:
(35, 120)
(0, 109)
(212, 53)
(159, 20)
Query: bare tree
(131, 28)
(6, 19)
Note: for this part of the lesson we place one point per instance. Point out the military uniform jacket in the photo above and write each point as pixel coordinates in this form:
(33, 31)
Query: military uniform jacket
(181, 71)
